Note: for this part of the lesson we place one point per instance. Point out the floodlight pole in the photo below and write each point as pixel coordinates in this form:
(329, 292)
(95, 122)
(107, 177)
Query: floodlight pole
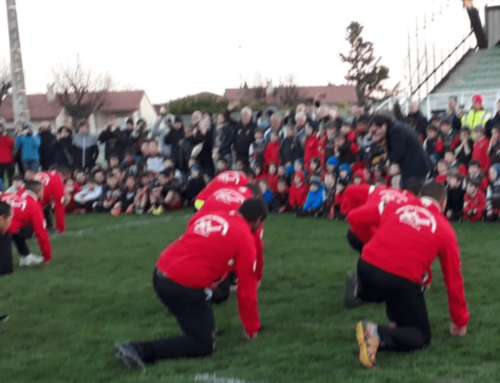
(19, 99)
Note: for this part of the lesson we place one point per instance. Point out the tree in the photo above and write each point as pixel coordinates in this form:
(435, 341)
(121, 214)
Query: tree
(259, 87)
(289, 95)
(203, 102)
(79, 91)
(5, 80)
(365, 73)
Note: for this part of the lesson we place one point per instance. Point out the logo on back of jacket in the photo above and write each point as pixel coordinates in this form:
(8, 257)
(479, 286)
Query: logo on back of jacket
(392, 196)
(229, 196)
(211, 224)
(417, 217)
(43, 178)
(229, 177)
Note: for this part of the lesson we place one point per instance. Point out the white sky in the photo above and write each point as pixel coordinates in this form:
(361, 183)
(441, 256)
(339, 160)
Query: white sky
(175, 48)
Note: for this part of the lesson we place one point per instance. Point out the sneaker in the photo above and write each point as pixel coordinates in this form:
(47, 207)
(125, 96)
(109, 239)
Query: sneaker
(3, 318)
(151, 210)
(31, 260)
(369, 342)
(351, 299)
(158, 210)
(139, 211)
(129, 356)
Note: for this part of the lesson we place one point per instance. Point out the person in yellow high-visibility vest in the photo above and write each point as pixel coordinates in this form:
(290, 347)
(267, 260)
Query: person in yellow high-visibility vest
(477, 115)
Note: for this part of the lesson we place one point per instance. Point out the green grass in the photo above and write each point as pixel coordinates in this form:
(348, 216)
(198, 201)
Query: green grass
(66, 317)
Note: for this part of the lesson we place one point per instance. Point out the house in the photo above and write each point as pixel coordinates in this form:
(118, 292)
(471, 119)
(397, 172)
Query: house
(42, 107)
(123, 104)
(329, 94)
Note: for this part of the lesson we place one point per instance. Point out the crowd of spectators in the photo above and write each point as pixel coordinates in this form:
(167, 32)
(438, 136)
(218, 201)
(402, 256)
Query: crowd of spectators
(302, 160)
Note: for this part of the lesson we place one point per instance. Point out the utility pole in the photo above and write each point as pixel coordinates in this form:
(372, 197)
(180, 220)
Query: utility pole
(19, 99)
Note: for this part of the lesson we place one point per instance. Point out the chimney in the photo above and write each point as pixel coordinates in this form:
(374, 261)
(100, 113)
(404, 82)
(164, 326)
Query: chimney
(51, 94)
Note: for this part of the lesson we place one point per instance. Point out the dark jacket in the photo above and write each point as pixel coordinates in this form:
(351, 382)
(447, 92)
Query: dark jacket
(290, 150)
(47, 140)
(223, 138)
(404, 148)
(127, 140)
(113, 143)
(417, 122)
(174, 138)
(242, 140)
(62, 150)
(85, 150)
(186, 147)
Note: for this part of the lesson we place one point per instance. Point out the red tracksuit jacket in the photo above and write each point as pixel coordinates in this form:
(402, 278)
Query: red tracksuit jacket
(409, 238)
(380, 195)
(298, 194)
(480, 153)
(353, 197)
(222, 180)
(6, 149)
(478, 203)
(27, 211)
(272, 154)
(53, 193)
(311, 150)
(228, 199)
(211, 247)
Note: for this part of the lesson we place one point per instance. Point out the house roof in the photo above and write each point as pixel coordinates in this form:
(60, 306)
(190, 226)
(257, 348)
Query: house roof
(124, 101)
(40, 108)
(330, 94)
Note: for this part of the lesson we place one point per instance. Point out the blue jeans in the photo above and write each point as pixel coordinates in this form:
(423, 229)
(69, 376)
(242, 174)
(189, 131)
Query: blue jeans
(31, 165)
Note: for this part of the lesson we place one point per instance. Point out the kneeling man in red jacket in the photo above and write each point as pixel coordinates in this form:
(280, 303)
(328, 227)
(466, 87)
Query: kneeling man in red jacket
(186, 274)
(393, 265)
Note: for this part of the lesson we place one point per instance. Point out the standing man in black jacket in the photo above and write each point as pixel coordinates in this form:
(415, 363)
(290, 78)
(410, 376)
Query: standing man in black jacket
(174, 138)
(403, 145)
(47, 140)
(244, 136)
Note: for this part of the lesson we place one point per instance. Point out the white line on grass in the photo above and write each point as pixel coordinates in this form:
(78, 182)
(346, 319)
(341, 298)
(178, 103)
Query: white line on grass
(144, 222)
(211, 378)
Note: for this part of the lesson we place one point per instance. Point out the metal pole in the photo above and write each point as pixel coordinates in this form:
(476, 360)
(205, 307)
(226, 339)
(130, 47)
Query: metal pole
(19, 99)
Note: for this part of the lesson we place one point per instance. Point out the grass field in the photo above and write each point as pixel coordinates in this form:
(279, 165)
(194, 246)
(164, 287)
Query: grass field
(66, 317)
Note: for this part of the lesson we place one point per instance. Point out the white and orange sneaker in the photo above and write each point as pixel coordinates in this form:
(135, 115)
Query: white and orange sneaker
(369, 342)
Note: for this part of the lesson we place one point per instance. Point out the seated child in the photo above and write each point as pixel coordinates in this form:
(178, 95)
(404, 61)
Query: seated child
(127, 198)
(442, 172)
(141, 200)
(16, 184)
(314, 200)
(280, 200)
(298, 191)
(455, 201)
(90, 193)
(195, 184)
(474, 202)
(110, 196)
(493, 194)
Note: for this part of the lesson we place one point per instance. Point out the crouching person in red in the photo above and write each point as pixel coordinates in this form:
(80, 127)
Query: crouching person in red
(186, 273)
(385, 275)
(27, 216)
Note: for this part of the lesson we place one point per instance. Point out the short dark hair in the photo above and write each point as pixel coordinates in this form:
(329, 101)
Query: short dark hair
(253, 208)
(434, 190)
(363, 119)
(432, 127)
(254, 189)
(380, 120)
(413, 185)
(5, 209)
(16, 177)
(81, 123)
(33, 186)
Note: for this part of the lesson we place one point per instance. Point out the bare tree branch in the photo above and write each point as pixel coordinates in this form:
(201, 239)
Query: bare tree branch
(79, 91)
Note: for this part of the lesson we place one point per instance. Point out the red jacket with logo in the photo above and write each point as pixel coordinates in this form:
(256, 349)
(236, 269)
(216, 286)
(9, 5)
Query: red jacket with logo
(378, 195)
(480, 153)
(311, 149)
(53, 194)
(228, 199)
(211, 247)
(27, 211)
(227, 178)
(353, 197)
(409, 238)
(477, 203)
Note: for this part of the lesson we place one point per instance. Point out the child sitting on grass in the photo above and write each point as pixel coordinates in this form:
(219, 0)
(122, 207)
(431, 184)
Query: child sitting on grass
(314, 200)
(90, 193)
(474, 202)
(455, 201)
(298, 192)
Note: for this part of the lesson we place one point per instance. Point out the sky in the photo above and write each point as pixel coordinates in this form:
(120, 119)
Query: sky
(173, 48)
